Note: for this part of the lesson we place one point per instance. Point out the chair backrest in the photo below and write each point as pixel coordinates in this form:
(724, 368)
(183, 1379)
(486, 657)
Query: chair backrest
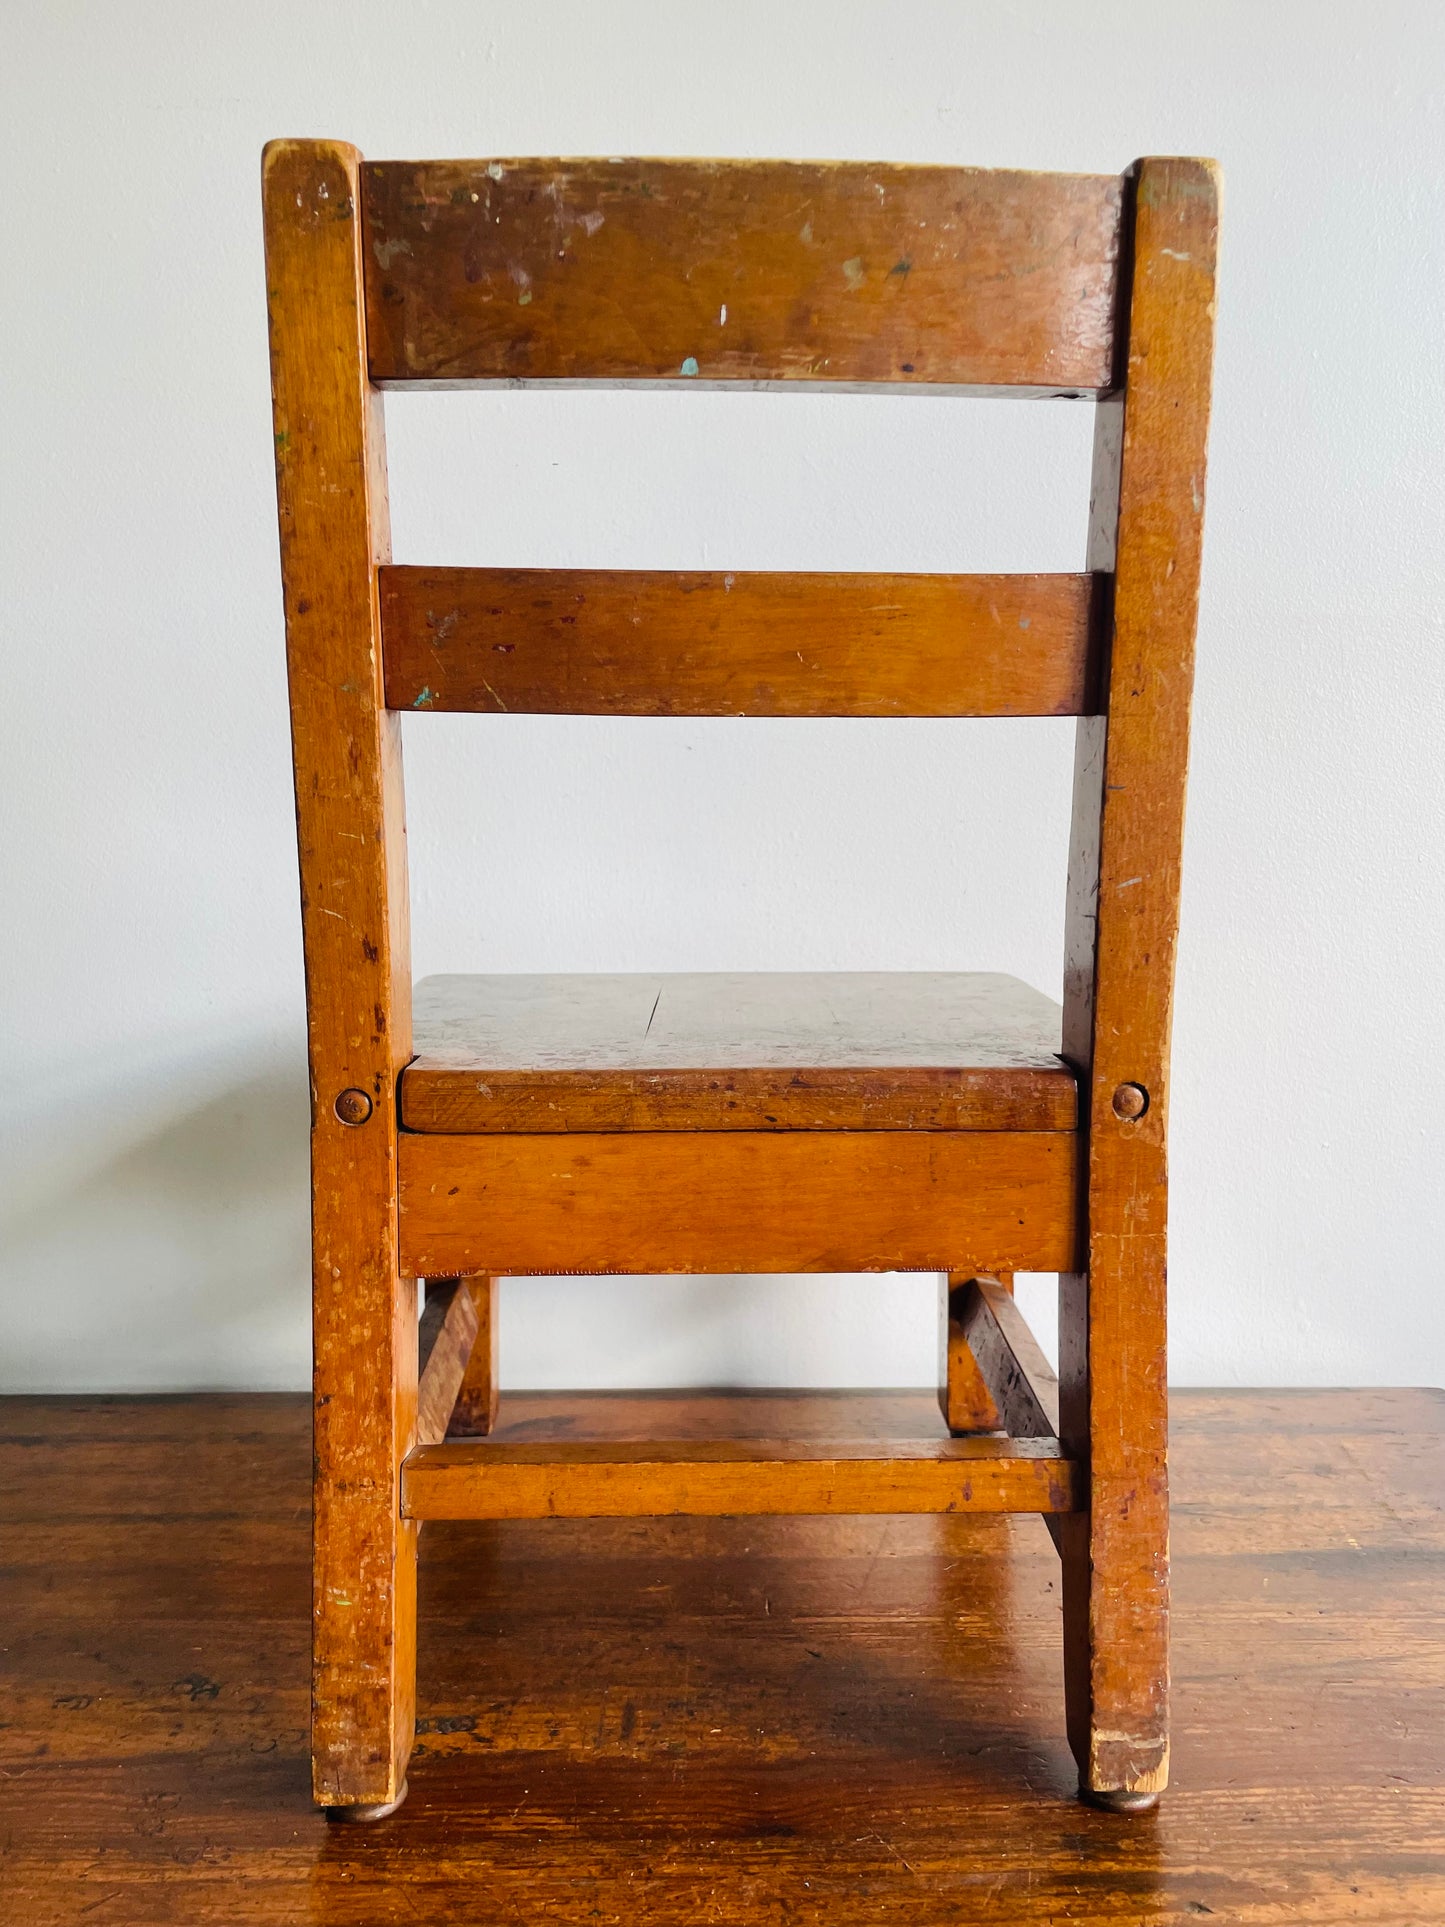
(727, 272)
(754, 273)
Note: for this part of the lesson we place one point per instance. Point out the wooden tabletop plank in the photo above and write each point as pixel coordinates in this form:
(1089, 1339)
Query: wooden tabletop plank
(845, 1719)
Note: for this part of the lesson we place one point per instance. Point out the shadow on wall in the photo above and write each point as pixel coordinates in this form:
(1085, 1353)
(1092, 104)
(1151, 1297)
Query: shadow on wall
(153, 1229)
(154, 1237)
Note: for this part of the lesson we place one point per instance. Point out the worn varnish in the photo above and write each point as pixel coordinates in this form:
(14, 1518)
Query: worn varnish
(964, 1397)
(737, 1051)
(1122, 925)
(447, 1339)
(641, 1724)
(879, 1140)
(733, 1477)
(739, 1201)
(632, 642)
(331, 496)
(739, 271)
(1022, 1384)
(474, 1411)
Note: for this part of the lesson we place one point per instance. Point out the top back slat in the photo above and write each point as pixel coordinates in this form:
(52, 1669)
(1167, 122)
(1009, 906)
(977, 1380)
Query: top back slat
(748, 271)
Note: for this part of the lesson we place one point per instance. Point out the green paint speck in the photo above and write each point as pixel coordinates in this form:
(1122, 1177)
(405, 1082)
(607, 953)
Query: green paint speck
(524, 297)
(424, 699)
(689, 367)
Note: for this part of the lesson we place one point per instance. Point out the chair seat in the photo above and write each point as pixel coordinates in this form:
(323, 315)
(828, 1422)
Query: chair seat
(728, 1051)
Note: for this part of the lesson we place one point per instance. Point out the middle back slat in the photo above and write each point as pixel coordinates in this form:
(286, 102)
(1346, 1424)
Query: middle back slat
(618, 642)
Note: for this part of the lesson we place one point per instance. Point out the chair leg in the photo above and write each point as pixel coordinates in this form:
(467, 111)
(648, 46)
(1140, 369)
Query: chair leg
(364, 1573)
(1114, 1414)
(963, 1397)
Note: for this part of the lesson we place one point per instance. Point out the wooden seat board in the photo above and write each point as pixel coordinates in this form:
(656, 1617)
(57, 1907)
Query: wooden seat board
(732, 1051)
(628, 270)
(654, 642)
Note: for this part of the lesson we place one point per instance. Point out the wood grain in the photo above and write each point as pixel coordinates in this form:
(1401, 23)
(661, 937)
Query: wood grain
(736, 1476)
(475, 1411)
(447, 1334)
(452, 272)
(840, 1720)
(586, 270)
(739, 1201)
(634, 642)
(330, 482)
(1021, 1382)
(736, 1051)
(1122, 927)
(964, 1398)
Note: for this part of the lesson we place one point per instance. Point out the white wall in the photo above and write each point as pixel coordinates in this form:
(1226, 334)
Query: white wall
(153, 1228)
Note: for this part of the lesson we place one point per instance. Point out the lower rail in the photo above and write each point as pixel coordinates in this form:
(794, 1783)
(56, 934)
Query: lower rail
(610, 1479)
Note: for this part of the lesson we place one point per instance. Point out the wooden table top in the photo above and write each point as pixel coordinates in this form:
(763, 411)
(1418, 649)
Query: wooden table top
(725, 1720)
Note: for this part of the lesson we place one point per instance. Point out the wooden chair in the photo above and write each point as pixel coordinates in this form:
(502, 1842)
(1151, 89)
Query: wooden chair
(710, 1125)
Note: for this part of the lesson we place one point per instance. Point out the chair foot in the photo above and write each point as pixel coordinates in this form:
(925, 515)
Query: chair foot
(364, 1814)
(1119, 1800)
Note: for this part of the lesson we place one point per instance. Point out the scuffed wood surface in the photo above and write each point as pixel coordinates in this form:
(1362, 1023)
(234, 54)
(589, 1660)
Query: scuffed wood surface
(642, 642)
(712, 1051)
(448, 1331)
(552, 271)
(1021, 1381)
(1119, 984)
(850, 1720)
(964, 1398)
(331, 497)
(722, 1477)
(740, 1201)
(494, 270)
(475, 1411)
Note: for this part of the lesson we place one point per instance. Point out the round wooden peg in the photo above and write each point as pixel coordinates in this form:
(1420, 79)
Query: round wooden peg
(353, 1107)
(1130, 1101)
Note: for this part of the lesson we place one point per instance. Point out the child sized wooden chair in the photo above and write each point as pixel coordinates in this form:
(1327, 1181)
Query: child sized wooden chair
(722, 1125)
